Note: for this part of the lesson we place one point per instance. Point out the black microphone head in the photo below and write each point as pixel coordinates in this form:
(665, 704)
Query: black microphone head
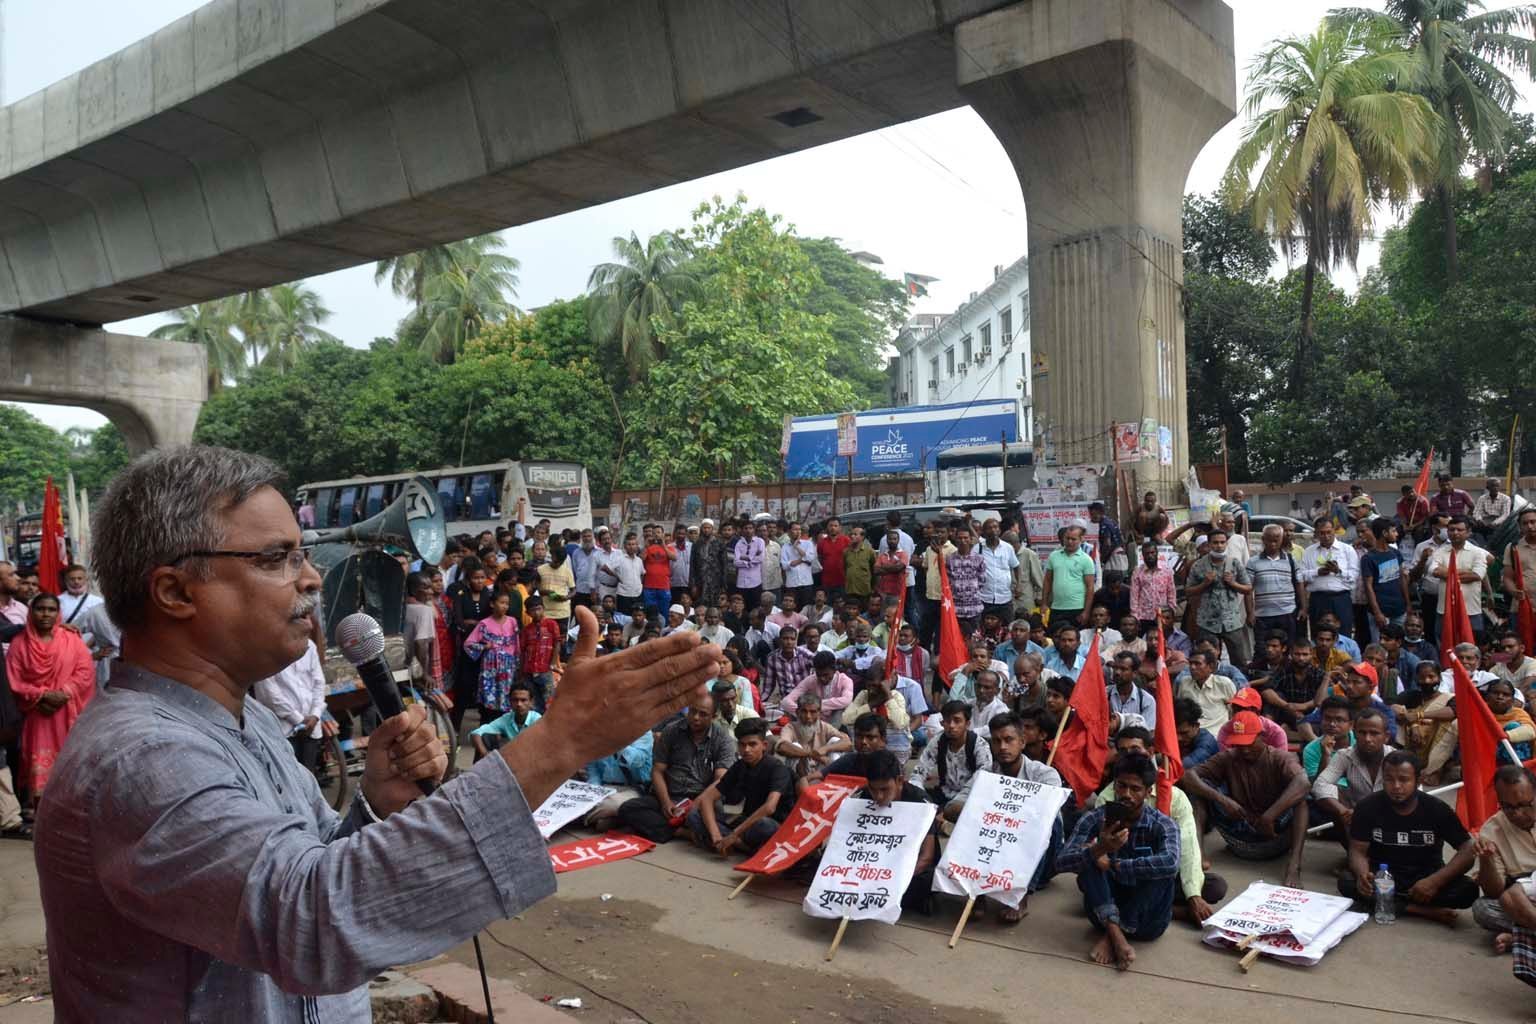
(360, 638)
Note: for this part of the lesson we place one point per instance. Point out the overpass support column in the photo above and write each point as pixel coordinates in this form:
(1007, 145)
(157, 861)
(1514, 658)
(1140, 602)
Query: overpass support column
(151, 389)
(1103, 105)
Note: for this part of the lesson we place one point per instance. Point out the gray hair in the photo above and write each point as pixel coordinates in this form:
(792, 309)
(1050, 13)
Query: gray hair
(1273, 530)
(165, 504)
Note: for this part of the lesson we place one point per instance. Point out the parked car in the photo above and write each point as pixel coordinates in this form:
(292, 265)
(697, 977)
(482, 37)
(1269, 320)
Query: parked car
(1300, 531)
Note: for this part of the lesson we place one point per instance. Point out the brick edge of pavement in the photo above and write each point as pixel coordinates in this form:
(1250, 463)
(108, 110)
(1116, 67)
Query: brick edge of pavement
(462, 1001)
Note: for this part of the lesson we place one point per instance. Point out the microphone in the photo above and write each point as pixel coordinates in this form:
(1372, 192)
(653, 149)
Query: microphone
(361, 640)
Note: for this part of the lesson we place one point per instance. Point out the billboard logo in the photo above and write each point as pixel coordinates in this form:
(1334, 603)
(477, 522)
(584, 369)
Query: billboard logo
(893, 449)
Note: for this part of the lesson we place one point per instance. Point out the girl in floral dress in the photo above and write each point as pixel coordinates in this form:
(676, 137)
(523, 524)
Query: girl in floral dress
(494, 644)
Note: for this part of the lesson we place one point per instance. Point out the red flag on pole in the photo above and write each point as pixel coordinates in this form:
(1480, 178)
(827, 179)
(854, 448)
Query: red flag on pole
(1083, 750)
(890, 646)
(1455, 626)
(51, 557)
(1421, 487)
(1165, 740)
(1525, 615)
(951, 640)
(1479, 737)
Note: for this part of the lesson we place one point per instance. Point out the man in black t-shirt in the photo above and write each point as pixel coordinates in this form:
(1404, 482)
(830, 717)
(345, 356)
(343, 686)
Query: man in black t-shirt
(1404, 829)
(759, 781)
(868, 737)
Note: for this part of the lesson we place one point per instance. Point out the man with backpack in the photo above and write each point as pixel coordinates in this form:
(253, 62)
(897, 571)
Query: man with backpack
(946, 767)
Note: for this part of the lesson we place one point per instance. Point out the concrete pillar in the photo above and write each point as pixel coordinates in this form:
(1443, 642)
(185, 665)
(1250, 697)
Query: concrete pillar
(1103, 105)
(151, 389)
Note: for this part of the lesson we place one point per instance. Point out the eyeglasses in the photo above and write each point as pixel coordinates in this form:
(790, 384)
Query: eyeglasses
(285, 563)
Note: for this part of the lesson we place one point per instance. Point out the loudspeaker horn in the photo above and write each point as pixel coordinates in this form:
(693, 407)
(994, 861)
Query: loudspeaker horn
(414, 521)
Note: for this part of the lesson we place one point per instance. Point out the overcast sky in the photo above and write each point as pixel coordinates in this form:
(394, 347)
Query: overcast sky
(935, 196)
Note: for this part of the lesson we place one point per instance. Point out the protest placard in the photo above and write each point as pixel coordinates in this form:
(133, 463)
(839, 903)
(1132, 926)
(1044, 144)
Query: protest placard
(567, 803)
(807, 825)
(589, 853)
(1284, 947)
(869, 860)
(1264, 909)
(999, 839)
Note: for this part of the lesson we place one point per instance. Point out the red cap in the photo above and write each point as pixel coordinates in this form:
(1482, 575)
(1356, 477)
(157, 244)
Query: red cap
(1245, 728)
(1363, 669)
(1248, 698)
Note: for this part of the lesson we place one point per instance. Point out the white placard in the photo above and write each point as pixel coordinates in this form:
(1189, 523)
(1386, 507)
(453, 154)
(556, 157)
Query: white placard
(1264, 909)
(1002, 833)
(1283, 947)
(568, 803)
(870, 857)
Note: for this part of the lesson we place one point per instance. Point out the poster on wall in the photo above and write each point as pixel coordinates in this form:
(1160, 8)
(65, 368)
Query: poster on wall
(748, 504)
(1127, 442)
(1072, 483)
(843, 506)
(1149, 438)
(860, 502)
(776, 507)
(1165, 446)
(889, 501)
(814, 505)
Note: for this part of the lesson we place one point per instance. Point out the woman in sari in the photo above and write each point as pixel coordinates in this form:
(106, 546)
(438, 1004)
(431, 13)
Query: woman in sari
(52, 677)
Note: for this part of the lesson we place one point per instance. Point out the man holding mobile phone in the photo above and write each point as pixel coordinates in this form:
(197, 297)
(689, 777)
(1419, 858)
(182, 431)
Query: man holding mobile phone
(1126, 858)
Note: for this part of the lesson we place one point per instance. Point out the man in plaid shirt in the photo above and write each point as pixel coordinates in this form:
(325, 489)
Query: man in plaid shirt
(1126, 857)
(782, 670)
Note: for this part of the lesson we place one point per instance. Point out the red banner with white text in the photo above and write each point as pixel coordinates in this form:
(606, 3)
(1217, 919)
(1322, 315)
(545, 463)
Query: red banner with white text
(806, 827)
(589, 853)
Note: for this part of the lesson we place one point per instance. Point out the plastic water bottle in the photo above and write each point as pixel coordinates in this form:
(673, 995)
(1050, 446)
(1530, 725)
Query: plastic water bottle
(1386, 891)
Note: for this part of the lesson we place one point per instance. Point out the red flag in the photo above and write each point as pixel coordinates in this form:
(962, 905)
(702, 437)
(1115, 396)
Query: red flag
(588, 853)
(1165, 740)
(1525, 615)
(808, 824)
(1455, 626)
(951, 640)
(1421, 487)
(1479, 737)
(1083, 749)
(890, 646)
(51, 558)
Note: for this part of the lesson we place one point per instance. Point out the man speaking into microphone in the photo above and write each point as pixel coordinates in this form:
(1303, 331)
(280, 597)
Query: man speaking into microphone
(190, 869)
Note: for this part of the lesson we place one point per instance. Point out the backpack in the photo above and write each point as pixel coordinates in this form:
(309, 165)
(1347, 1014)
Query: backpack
(970, 756)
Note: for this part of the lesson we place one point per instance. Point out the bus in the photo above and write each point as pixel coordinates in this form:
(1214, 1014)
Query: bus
(474, 498)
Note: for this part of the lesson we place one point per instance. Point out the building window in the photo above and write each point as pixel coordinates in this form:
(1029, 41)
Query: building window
(1005, 325)
(1023, 311)
(985, 330)
(949, 361)
(933, 371)
(965, 349)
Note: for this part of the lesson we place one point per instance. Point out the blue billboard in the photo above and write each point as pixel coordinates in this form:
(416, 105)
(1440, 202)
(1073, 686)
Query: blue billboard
(898, 440)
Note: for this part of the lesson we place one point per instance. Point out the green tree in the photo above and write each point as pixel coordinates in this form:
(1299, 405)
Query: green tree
(286, 320)
(634, 298)
(1461, 56)
(208, 325)
(747, 352)
(97, 457)
(1331, 140)
(865, 309)
(30, 452)
(409, 274)
(473, 290)
(1223, 242)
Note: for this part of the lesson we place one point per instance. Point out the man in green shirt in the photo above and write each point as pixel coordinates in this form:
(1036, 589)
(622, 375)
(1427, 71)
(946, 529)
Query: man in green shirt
(1069, 580)
(859, 566)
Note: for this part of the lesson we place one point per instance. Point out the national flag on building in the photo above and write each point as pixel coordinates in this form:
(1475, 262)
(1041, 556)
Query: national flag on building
(916, 284)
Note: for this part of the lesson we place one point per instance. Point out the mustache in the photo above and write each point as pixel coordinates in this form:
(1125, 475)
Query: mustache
(306, 604)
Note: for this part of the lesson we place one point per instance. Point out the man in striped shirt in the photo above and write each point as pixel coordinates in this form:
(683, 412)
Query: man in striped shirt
(1126, 858)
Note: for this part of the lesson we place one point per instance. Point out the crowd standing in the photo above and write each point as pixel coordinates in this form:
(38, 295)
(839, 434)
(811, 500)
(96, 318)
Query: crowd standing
(1308, 684)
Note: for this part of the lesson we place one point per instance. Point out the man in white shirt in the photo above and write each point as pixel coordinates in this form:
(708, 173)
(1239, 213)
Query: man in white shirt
(988, 704)
(1490, 509)
(1471, 570)
(625, 574)
(77, 597)
(105, 641)
(1329, 569)
(296, 695)
(681, 562)
(997, 585)
(797, 557)
(1429, 586)
(605, 554)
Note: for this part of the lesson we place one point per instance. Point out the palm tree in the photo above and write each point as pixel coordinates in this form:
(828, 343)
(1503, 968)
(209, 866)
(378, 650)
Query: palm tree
(644, 288)
(1332, 140)
(410, 274)
(208, 324)
(288, 322)
(1460, 61)
(472, 291)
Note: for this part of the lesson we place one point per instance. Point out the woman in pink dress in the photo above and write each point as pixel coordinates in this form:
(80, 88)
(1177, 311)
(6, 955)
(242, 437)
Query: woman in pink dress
(53, 677)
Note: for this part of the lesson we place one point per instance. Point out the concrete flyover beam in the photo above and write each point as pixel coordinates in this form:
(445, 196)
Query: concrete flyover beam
(1103, 105)
(259, 141)
(151, 389)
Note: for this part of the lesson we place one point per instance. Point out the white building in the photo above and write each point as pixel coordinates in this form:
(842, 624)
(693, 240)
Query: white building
(981, 351)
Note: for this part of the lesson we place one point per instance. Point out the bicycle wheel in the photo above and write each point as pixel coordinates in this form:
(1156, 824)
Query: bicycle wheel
(331, 773)
(448, 736)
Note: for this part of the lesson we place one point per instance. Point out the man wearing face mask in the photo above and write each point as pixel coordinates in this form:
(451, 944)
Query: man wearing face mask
(1429, 586)
(860, 654)
(1224, 584)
